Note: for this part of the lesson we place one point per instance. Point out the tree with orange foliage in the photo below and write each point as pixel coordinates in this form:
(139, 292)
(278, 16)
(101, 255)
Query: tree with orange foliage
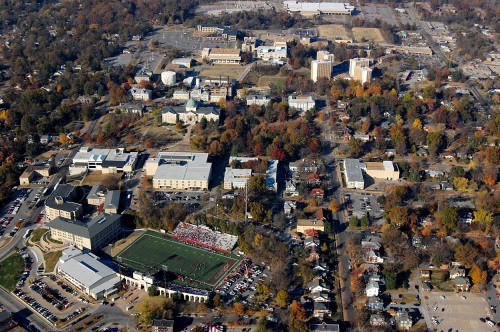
(490, 176)
(297, 311)
(238, 308)
(63, 139)
(149, 143)
(334, 206)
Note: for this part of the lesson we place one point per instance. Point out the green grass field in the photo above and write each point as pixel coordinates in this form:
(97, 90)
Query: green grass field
(11, 269)
(153, 250)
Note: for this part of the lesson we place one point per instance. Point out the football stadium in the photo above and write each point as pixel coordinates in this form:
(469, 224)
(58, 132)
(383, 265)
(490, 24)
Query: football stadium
(192, 262)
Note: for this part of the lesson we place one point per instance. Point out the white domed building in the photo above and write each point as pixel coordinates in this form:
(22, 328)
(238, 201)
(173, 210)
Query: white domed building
(190, 113)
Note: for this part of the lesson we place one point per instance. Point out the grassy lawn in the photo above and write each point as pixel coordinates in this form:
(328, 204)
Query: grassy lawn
(51, 259)
(266, 80)
(11, 269)
(37, 234)
(372, 34)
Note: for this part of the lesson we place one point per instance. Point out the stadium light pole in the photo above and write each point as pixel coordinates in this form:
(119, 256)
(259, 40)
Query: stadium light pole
(246, 201)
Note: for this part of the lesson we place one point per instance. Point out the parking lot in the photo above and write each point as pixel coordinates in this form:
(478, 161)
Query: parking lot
(16, 212)
(190, 200)
(359, 204)
(458, 312)
(52, 299)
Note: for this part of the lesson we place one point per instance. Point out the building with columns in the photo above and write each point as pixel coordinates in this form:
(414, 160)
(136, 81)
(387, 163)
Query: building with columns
(190, 113)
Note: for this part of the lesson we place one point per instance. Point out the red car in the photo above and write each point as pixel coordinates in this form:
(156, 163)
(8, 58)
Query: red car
(38, 219)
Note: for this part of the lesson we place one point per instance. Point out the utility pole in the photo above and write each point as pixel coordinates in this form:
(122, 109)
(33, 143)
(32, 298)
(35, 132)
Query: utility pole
(246, 201)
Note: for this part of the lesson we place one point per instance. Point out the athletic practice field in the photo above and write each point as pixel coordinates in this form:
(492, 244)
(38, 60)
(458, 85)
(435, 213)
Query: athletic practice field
(153, 251)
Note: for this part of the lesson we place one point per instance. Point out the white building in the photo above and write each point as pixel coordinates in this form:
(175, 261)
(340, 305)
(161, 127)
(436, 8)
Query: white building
(301, 103)
(320, 68)
(183, 62)
(236, 178)
(353, 173)
(87, 273)
(354, 168)
(179, 171)
(318, 8)
(190, 113)
(106, 160)
(372, 289)
(261, 100)
(181, 95)
(141, 94)
(268, 53)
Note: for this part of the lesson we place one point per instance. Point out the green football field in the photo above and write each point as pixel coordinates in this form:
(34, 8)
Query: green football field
(155, 251)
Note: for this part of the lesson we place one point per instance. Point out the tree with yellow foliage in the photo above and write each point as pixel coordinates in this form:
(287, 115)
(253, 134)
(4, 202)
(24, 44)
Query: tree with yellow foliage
(478, 275)
(334, 206)
(417, 124)
(461, 184)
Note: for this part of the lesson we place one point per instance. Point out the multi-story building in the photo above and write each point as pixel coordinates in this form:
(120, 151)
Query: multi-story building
(218, 32)
(268, 53)
(301, 103)
(222, 55)
(179, 171)
(92, 234)
(325, 55)
(190, 113)
(236, 178)
(320, 68)
(362, 74)
(261, 100)
(361, 62)
(61, 203)
(141, 94)
(105, 160)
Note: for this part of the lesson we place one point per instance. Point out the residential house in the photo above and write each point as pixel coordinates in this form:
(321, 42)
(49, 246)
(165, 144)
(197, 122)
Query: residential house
(377, 320)
(321, 297)
(289, 207)
(461, 284)
(141, 94)
(311, 242)
(321, 308)
(373, 257)
(374, 303)
(456, 272)
(320, 266)
(425, 274)
(291, 189)
(403, 320)
(45, 139)
(427, 287)
(303, 225)
(318, 285)
(318, 193)
(372, 289)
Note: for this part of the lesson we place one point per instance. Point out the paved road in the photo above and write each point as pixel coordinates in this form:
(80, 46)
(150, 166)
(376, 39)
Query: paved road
(437, 50)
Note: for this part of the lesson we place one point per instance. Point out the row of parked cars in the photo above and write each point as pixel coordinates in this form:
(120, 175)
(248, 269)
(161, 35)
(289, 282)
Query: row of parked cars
(20, 196)
(50, 295)
(27, 267)
(243, 280)
(36, 306)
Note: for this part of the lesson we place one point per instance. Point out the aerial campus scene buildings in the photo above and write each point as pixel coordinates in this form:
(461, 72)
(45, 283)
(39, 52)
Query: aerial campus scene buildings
(249, 166)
